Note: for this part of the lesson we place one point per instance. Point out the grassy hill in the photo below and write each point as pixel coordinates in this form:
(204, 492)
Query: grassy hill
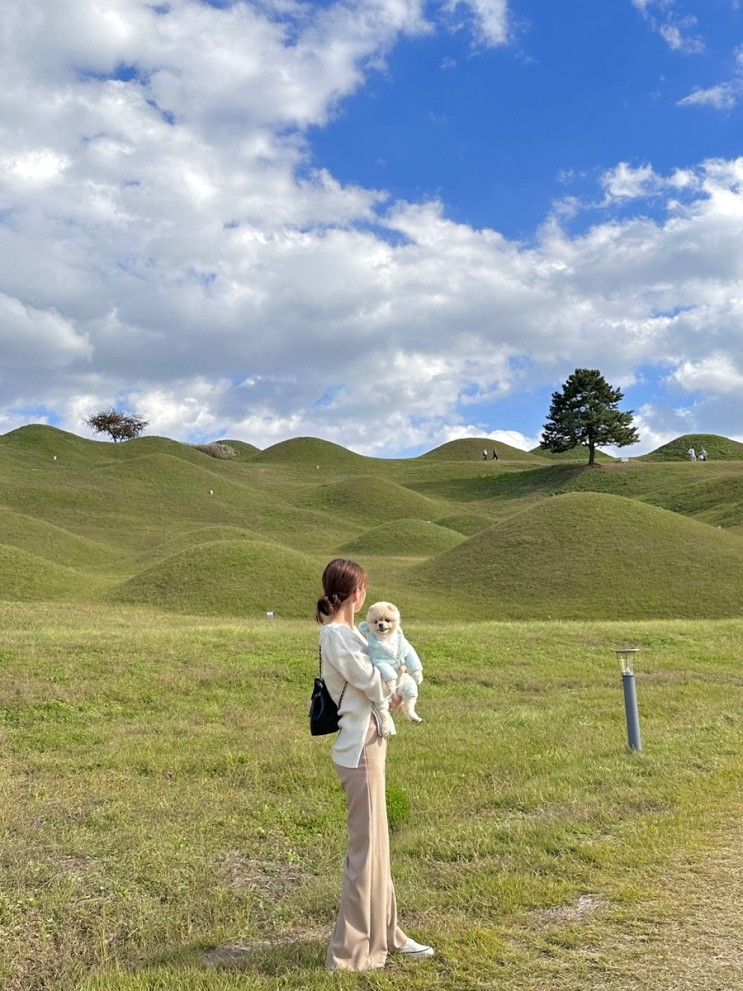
(51, 542)
(400, 538)
(41, 442)
(711, 492)
(718, 448)
(243, 451)
(227, 578)
(369, 497)
(313, 451)
(576, 454)
(592, 555)
(25, 576)
(471, 448)
(154, 520)
(466, 523)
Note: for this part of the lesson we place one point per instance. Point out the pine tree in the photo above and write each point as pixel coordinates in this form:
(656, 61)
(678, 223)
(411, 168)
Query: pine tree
(585, 413)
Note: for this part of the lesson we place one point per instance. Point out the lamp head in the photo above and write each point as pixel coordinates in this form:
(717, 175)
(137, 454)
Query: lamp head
(626, 658)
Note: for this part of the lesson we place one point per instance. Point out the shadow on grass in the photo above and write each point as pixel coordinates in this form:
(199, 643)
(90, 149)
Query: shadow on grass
(268, 958)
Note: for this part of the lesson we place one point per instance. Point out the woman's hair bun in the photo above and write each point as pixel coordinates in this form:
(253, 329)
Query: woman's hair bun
(325, 606)
(340, 579)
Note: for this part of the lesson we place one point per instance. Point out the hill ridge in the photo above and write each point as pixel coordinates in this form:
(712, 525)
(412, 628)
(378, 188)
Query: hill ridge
(569, 554)
(718, 447)
(523, 539)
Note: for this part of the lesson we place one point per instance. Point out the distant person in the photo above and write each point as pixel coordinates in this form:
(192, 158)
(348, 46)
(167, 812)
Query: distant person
(366, 929)
(692, 454)
(703, 456)
(495, 455)
(484, 454)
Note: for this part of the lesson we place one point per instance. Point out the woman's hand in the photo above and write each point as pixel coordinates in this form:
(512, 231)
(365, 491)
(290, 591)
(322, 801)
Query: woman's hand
(388, 727)
(395, 703)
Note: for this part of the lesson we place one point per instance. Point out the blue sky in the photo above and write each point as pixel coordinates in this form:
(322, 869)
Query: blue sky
(384, 222)
(499, 134)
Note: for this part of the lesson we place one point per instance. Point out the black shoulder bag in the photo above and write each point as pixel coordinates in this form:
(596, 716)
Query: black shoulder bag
(323, 710)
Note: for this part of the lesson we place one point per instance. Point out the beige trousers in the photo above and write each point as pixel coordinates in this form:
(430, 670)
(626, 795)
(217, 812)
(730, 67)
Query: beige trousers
(366, 928)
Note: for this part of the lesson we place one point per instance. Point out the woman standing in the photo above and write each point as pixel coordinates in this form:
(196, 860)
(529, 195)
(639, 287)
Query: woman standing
(366, 929)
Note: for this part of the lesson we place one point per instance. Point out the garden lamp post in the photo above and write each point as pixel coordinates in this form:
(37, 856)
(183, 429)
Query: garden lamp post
(626, 657)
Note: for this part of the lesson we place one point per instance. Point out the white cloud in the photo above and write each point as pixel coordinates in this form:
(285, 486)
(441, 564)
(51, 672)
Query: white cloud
(676, 29)
(490, 18)
(716, 374)
(721, 97)
(679, 41)
(625, 182)
(35, 167)
(198, 269)
(31, 336)
(515, 438)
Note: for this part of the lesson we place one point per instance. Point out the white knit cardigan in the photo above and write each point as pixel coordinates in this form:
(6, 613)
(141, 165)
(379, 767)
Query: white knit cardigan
(345, 658)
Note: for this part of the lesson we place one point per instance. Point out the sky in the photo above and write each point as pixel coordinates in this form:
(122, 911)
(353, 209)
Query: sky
(388, 223)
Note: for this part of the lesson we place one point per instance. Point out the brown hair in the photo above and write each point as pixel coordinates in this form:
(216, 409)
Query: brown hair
(340, 580)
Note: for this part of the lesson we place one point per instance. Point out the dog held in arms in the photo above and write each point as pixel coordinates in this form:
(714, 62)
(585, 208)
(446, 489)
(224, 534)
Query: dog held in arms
(395, 657)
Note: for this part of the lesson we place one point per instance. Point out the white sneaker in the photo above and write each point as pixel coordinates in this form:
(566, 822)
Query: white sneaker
(417, 951)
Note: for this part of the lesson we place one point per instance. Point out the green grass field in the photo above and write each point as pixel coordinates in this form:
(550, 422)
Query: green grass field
(168, 823)
(446, 535)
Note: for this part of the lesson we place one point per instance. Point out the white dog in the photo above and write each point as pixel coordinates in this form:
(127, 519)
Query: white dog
(396, 659)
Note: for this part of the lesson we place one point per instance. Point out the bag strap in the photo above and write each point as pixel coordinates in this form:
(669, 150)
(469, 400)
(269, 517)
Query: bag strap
(319, 661)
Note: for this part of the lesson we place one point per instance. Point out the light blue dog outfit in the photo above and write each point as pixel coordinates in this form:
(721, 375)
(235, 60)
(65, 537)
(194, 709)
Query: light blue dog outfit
(396, 660)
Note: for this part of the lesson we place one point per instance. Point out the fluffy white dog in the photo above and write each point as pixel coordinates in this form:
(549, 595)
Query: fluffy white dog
(396, 659)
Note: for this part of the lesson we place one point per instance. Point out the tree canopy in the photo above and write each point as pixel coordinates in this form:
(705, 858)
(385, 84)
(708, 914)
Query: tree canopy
(585, 412)
(119, 426)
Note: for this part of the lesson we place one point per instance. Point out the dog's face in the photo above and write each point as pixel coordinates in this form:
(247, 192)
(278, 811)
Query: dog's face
(383, 619)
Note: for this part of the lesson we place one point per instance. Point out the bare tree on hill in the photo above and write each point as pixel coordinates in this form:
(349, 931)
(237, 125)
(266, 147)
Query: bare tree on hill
(119, 426)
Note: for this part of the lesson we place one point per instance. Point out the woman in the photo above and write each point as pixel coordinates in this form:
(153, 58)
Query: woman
(366, 929)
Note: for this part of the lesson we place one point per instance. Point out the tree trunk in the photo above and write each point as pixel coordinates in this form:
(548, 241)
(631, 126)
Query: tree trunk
(591, 454)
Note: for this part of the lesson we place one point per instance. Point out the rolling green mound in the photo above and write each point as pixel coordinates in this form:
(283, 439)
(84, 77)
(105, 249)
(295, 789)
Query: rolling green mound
(718, 448)
(50, 542)
(532, 538)
(158, 446)
(243, 450)
(40, 441)
(230, 578)
(164, 470)
(313, 451)
(404, 538)
(466, 523)
(576, 454)
(374, 499)
(587, 555)
(199, 535)
(711, 492)
(471, 448)
(25, 576)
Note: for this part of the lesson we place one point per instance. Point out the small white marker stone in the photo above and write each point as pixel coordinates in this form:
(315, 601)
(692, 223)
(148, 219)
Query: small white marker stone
(269, 615)
(211, 491)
